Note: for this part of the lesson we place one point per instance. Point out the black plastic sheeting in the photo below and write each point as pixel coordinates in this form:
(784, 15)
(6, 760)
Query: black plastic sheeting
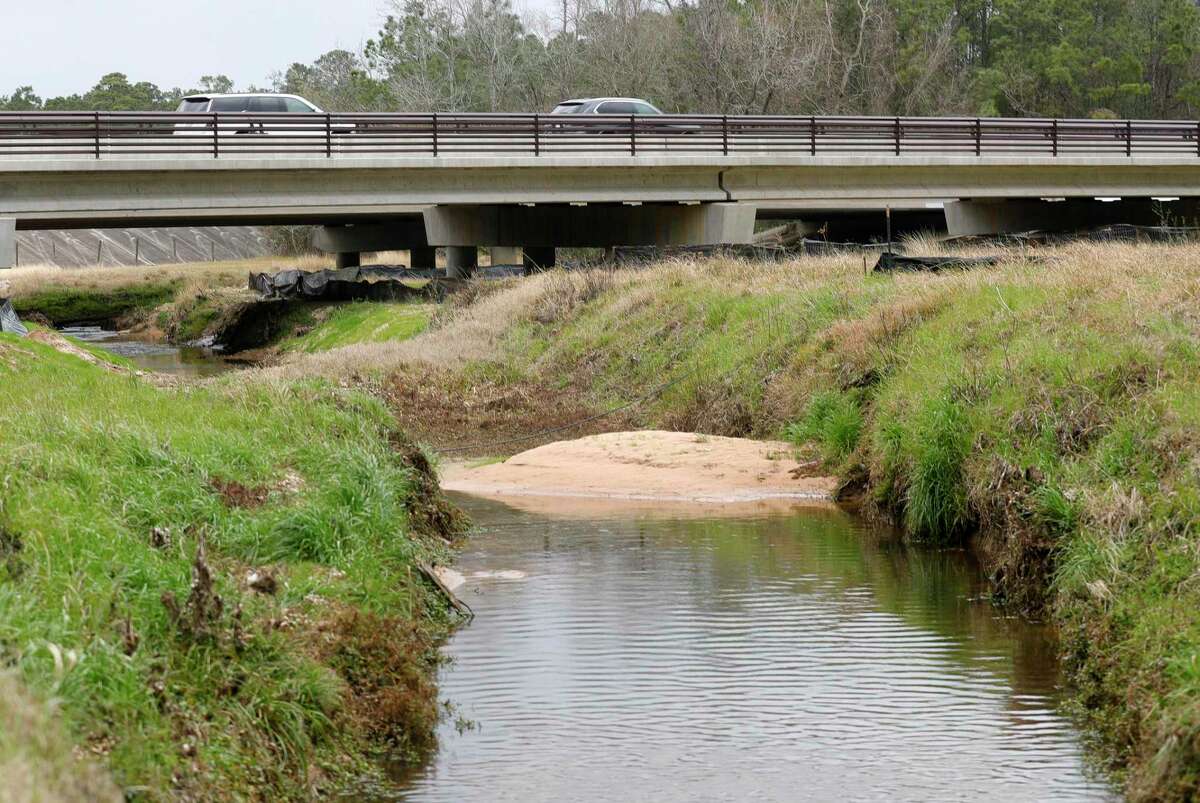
(9, 322)
(890, 262)
(374, 283)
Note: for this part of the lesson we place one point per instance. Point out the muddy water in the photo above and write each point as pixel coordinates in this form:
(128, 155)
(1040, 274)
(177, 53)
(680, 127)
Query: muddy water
(158, 357)
(781, 658)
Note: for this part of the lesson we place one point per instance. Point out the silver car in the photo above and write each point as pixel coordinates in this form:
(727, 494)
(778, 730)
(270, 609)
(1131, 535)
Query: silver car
(622, 106)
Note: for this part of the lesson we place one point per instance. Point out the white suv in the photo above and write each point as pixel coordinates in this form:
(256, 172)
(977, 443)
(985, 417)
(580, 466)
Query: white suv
(260, 102)
(256, 103)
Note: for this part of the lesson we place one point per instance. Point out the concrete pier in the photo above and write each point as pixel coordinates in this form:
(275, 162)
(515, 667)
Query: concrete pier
(8, 242)
(461, 261)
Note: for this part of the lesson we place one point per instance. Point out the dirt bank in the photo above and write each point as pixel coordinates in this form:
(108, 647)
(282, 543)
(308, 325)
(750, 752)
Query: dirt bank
(650, 466)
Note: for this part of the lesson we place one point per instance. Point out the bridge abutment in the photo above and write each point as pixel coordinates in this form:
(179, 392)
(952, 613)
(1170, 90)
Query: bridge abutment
(8, 242)
(505, 255)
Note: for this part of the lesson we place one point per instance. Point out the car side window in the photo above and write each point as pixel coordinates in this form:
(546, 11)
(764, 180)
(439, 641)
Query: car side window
(296, 106)
(228, 104)
(615, 107)
(267, 104)
(645, 108)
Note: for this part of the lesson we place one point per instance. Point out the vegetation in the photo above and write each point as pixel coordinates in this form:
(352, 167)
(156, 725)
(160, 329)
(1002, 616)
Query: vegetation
(215, 583)
(362, 322)
(1127, 58)
(1049, 407)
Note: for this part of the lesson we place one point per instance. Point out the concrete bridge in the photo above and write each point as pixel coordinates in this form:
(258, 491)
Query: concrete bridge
(376, 182)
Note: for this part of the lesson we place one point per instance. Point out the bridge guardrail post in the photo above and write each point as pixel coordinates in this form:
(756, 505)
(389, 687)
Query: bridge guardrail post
(1198, 137)
(537, 141)
(978, 136)
(1054, 136)
(96, 132)
(633, 135)
(435, 134)
(1129, 138)
(897, 135)
(812, 135)
(725, 134)
(216, 135)
(328, 135)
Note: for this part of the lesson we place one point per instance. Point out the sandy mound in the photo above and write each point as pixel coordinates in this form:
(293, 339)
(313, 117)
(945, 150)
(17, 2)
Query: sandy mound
(651, 466)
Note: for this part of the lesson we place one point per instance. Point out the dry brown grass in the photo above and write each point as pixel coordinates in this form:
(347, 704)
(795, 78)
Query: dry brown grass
(37, 762)
(29, 279)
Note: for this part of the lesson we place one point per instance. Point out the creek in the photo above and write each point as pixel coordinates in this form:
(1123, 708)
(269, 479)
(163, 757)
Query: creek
(792, 657)
(163, 358)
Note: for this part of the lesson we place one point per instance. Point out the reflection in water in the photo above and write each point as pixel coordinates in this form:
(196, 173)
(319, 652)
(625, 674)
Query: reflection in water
(787, 658)
(157, 357)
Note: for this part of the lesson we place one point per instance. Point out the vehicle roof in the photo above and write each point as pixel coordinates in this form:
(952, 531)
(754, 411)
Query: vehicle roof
(211, 95)
(594, 100)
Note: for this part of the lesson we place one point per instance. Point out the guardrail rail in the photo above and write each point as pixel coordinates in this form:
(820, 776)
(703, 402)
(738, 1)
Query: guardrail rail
(103, 135)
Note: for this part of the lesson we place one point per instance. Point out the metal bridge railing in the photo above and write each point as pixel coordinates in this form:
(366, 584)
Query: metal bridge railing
(166, 134)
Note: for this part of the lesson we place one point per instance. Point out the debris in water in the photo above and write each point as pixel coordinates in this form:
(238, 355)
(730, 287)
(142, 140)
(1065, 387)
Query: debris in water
(502, 574)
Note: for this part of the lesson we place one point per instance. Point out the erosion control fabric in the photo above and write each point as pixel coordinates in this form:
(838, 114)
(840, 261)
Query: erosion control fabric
(9, 322)
(376, 283)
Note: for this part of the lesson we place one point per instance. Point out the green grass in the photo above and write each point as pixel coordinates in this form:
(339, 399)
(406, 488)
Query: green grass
(234, 700)
(64, 305)
(363, 322)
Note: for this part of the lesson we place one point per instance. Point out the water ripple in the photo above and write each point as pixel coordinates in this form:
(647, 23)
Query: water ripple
(767, 660)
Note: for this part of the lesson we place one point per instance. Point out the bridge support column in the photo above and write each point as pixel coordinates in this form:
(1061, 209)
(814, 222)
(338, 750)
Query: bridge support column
(348, 259)
(424, 256)
(8, 242)
(538, 259)
(461, 261)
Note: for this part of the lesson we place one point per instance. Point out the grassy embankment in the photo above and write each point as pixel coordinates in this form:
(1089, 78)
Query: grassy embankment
(214, 584)
(183, 303)
(1052, 410)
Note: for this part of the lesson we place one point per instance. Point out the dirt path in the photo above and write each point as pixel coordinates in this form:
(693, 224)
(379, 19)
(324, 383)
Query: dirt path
(649, 468)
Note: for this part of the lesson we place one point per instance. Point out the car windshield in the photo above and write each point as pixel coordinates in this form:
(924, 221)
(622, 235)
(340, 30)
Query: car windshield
(193, 105)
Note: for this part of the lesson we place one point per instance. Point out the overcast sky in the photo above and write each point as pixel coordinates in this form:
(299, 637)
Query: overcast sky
(63, 46)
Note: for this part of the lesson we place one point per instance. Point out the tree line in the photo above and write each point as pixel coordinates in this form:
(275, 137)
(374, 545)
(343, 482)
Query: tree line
(1063, 58)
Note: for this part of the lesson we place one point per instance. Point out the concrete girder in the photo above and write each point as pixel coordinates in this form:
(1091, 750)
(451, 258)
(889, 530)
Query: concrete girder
(78, 192)
(401, 233)
(565, 226)
(975, 217)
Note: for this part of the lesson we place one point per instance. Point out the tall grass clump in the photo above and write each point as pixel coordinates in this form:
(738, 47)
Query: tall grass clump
(935, 503)
(834, 420)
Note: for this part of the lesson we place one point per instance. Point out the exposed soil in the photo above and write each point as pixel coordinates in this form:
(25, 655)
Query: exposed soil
(650, 466)
(462, 417)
